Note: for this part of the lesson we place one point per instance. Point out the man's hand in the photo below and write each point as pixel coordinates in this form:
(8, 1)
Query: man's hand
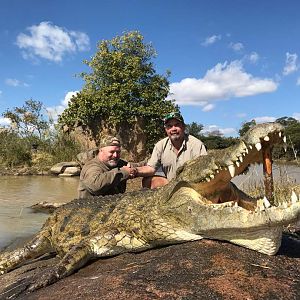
(132, 171)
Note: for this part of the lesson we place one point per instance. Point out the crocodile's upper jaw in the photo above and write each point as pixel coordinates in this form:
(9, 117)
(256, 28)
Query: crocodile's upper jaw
(212, 173)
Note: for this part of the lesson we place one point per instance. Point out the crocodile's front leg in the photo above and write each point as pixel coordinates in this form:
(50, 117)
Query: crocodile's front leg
(38, 246)
(106, 243)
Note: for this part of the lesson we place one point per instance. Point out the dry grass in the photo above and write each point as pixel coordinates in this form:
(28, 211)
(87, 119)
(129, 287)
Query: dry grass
(283, 188)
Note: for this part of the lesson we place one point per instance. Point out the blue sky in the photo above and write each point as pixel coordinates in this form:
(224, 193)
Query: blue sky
(231, 61)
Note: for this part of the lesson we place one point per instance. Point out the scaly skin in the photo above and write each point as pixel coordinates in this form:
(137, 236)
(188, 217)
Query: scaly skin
(200, 203)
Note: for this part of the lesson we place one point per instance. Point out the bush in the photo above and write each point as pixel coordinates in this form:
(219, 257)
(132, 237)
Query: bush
(14, 150)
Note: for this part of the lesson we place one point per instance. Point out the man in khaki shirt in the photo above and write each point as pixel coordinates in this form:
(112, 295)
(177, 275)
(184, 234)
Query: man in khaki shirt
(170, 153)
(106, 174)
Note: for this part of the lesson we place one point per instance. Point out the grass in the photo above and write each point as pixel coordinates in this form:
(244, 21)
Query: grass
(283, 186)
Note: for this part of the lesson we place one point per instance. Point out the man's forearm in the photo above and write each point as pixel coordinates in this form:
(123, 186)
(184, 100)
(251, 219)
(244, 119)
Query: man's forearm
(145, 171)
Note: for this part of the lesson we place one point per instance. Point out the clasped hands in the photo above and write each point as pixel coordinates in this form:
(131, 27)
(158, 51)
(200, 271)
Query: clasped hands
(131, 170)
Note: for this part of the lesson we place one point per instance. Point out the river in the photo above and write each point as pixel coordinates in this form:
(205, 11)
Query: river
(17, 193)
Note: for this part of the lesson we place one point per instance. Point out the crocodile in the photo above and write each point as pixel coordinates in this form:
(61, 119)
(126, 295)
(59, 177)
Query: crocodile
(201, 202)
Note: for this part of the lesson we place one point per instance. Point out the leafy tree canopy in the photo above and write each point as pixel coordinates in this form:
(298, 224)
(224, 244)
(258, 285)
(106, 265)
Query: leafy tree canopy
(292, 132)
(28, 120)
(246, 126)
(194, 129)
(121, 86)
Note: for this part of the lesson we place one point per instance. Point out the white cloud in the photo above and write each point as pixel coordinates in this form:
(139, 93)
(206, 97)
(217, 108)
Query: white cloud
(81, 40)
(236, 46)
(4, 122)
(208, 107)
(241, 115)
(55, 111)
(296, 116)
(253, 57)
(291, 64)
(15, 82)
(211, 40)
(222, 82)
(224, 131)
(264, 119)
(51, 42)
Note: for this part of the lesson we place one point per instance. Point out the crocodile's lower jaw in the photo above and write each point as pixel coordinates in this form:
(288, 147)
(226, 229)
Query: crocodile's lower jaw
(266, 241)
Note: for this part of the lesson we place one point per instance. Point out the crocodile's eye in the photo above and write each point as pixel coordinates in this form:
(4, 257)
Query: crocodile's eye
(190, 209)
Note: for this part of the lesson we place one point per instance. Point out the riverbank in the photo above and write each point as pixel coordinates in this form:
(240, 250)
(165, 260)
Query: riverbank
(24, 171)
(42, 170)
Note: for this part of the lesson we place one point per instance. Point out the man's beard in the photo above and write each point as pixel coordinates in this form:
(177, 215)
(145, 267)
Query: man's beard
(111, 163)
(175, 137)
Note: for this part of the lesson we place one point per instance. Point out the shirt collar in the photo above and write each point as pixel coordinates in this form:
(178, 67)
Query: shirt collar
(184, 143)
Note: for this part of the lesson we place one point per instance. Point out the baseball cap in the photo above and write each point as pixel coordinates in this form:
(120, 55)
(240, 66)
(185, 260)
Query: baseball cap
(173, 115)
(110, 141)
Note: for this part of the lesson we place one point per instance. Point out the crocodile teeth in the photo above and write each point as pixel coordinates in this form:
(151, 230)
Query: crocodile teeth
(266, 138)
(231, 170)
(284, 139)
(279, 133)
(237, 163)
(250, 147)
(260, 205)
(285, 147)
(246, 150)
(294, 197)
(266, 202)
(212, 176)
(241, 158)
(258, 146)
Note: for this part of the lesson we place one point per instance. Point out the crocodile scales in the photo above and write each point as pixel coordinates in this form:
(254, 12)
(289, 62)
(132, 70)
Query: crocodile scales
(201, 202)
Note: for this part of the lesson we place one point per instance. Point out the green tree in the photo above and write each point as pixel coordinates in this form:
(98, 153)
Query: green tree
(123, 87)
(292, 132)
(286, 121)
(218, 142)
(195, 129)
(28, 120)
(14, 149)
(246, 126)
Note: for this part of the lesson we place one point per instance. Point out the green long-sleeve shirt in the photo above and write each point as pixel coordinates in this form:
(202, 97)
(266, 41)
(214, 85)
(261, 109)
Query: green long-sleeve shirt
(98, 179)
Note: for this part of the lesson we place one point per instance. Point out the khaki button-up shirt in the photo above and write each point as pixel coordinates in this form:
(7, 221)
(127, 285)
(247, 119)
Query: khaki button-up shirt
(164, 154)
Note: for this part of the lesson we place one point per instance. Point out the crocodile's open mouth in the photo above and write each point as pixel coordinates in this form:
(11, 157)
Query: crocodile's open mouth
(220, 166)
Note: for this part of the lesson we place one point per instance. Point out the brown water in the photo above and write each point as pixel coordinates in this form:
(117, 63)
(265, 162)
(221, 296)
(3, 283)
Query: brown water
(17, 193)
(281, 173)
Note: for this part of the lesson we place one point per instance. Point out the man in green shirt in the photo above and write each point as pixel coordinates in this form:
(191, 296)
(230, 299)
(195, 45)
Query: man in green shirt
(107, 173)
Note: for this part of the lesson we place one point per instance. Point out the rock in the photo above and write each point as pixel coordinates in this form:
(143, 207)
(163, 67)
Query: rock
(87, 155)
(196, 270)
(46, 207)
(60, 167)
(71, 171)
